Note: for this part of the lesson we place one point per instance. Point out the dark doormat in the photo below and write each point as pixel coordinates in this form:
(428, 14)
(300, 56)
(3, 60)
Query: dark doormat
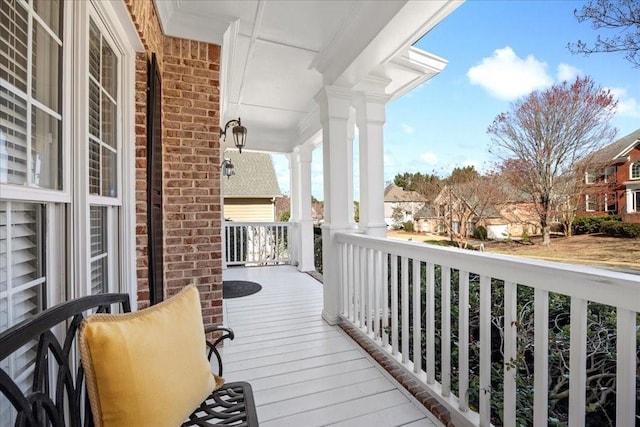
(239, 288)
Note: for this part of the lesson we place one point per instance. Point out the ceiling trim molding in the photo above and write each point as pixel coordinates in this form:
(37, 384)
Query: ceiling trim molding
(228, 59)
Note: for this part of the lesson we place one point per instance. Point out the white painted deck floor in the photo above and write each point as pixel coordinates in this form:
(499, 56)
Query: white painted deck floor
(303, 371)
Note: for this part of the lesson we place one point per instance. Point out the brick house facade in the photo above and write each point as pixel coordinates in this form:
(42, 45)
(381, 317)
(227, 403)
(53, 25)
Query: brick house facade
(189, 72)
(612, 184)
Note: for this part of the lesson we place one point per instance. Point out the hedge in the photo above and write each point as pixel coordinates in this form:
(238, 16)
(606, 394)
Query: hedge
(592, 224)
(620, 229)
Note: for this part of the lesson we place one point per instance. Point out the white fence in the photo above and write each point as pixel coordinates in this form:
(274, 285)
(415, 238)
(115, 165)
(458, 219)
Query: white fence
(257, 243)
(413, 300)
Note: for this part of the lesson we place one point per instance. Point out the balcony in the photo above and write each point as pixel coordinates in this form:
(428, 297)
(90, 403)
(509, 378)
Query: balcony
(435, 318)
(304, 371)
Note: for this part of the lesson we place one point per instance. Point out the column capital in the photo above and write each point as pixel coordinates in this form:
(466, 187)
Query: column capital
(371, 107)
(304, 152)
(334, 102)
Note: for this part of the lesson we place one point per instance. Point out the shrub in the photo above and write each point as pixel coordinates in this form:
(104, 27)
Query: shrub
(285, 216)
(620, 229)
(408, 226)
(480, 233)
(592, 224)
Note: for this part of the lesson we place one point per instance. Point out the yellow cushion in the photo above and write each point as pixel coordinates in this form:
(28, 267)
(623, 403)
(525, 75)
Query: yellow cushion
(147, 368)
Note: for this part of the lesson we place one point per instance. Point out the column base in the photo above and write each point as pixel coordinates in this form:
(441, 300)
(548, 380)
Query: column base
(331, 320)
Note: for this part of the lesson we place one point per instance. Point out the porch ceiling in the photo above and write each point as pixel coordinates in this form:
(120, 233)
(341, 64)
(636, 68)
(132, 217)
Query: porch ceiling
(277, 55)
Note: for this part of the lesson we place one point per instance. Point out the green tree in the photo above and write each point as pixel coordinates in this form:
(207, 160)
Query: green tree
(621, 15)
(427, 184)
(463, 175)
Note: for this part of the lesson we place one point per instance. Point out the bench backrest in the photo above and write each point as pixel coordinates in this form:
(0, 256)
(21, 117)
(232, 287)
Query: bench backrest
(56, 395)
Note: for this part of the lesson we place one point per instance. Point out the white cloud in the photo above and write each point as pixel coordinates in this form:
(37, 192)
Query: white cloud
(567, 73)
(627, 106)
(429, 157)
(407, 129)
(507, 76)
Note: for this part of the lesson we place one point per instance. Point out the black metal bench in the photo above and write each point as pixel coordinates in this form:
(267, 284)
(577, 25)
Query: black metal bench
(56, 396)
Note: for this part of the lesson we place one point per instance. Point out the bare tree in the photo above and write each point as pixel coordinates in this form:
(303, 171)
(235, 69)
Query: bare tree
(622, 15)
(468, 198)
(547, 132)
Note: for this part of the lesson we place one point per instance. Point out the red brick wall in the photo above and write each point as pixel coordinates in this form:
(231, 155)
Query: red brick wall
(191, 158)
(191, 106)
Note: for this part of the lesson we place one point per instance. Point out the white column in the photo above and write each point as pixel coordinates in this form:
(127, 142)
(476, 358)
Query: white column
(334, 105)
(301, 221)
(294, 206)
(371, 117)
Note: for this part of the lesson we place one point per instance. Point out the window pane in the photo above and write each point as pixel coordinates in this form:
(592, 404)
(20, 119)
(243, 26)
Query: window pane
(98, 249)
(108, 122)
(3, 251)
(94, 109)
(98, 221)
(46, 68)
(46, 151)
(109, 69)
(26, 243)
(94, 51)
(109, 169)
(13, 43)
(13, 138)
(94, 167)
(50, 12)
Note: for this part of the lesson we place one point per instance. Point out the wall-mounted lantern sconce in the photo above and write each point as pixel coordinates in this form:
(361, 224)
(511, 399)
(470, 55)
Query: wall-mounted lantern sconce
(228, 169)
(239, 133)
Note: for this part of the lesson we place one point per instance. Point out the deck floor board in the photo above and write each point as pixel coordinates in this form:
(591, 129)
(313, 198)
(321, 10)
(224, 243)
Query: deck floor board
(305, 372)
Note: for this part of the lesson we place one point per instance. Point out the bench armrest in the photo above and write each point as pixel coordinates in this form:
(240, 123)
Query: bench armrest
(212, 345)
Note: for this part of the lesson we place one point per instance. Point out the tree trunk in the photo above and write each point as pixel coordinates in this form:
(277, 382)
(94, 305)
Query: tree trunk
(546, 234)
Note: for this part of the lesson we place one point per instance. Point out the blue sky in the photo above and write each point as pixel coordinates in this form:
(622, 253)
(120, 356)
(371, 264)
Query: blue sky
(498, 52)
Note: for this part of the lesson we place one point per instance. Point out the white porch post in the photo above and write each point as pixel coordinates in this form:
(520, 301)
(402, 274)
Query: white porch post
(371, 116)
(294, 207)
(301, 205)
(334, 105)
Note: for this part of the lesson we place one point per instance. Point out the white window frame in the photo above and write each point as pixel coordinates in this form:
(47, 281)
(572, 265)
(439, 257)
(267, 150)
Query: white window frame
(610, 171)
(590, 177)
(635, 164)
(587, 201)
(114, 22)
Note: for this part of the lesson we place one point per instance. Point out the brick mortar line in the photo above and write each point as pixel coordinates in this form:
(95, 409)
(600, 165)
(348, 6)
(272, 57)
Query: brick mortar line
(420, 392)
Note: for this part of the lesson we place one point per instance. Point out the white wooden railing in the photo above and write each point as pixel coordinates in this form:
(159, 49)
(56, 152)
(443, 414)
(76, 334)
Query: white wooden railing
(400, 295)
(257, 243)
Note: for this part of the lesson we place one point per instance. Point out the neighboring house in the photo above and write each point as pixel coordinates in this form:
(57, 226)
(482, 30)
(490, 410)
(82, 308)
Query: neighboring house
(410, 202)
(250, 194)
(503, 217)
(425, 220)
(612, 183)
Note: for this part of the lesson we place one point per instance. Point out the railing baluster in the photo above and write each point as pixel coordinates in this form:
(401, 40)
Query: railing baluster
(356, 284)
(417, 315)
(431, 324)
(363, 290)
(626, 397)
(370, 289)
(578, 362)
(352, 281)
(377, 278)
(385, 299)
(485, 350)
(445, 341)
(405, 309)
(344, 265)
(463, 341)
(510, 352)
(394, 305)
(541, 357)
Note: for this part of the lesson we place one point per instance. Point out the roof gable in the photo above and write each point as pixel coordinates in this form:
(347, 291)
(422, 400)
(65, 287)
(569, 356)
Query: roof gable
(616, 151)
(255, 176)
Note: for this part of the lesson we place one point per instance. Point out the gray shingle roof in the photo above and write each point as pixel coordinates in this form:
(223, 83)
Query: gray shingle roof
(255, 176)
(393, 193)
(609, 153)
